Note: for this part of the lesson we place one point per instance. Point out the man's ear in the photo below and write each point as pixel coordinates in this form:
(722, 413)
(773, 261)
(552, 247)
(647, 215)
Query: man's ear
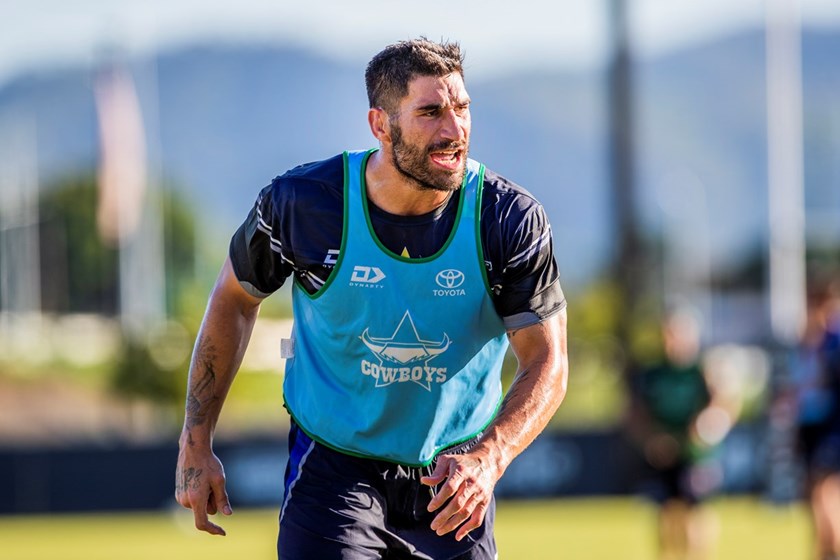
(380, 124)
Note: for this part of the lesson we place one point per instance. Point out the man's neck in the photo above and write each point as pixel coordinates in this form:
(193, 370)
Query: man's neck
(396, 194)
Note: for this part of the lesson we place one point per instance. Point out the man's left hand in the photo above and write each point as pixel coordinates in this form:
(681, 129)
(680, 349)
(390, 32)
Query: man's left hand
(468, 480)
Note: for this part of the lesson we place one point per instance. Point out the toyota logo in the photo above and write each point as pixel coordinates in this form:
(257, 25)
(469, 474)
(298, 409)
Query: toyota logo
(449, 278)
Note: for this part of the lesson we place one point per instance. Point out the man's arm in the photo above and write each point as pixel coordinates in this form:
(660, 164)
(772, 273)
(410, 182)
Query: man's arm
(219, 347)
(531, 401)
(718, 417)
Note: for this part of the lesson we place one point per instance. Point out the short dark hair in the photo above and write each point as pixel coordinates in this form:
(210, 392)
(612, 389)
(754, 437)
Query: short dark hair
(389, 72)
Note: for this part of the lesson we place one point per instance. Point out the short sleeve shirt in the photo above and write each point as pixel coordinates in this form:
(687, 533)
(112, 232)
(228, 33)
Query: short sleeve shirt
(295, 228)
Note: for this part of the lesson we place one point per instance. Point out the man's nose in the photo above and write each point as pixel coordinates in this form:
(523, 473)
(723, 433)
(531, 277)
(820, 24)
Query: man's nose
(454, 125)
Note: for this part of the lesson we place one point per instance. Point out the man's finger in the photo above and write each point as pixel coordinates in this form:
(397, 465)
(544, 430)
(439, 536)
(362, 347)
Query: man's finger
(457, 503)
(474, 522)
(182, 499)
(439, 475)
(201, 521)
(458, 510)
(220, 497)
(448, 489)
(211, 504)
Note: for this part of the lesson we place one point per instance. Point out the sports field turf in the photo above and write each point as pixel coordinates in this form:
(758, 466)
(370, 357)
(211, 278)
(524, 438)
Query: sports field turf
(609, 529)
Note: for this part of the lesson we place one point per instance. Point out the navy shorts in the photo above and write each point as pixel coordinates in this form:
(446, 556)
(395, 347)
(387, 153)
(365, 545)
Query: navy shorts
(819, 445)
(684, 481)
(340, 507)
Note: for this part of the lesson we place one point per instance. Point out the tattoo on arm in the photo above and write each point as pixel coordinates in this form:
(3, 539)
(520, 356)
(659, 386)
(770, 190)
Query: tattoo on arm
(189, 478)
(201, 395)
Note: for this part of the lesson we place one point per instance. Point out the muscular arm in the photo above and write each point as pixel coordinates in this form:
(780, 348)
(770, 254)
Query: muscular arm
(221, 343)
(536, 392)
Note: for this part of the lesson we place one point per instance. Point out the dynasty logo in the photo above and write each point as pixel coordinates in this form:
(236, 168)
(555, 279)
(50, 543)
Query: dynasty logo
(367, 277)
(404, 356)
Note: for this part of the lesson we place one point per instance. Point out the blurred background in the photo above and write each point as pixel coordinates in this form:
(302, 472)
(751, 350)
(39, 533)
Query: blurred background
(686, 154)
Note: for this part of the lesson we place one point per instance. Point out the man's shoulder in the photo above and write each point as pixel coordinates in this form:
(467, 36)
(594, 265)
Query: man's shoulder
(328, 169)
(511, 206)
(312, 181)
(499, 190)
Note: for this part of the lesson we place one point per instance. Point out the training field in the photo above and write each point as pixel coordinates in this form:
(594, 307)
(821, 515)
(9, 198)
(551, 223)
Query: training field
(592, 529)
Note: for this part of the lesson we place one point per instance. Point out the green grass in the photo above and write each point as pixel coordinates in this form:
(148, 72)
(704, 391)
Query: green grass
(607, 529)
(625, 529)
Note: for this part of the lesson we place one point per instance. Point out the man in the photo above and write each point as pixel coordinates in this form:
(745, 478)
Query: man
(813, 388)
(677, 417)
(413, 268)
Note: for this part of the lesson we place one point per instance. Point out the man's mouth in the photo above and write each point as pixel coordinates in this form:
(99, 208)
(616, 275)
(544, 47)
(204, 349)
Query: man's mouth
(448, 159)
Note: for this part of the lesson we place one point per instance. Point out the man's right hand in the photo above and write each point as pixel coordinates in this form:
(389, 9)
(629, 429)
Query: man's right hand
(200, 484)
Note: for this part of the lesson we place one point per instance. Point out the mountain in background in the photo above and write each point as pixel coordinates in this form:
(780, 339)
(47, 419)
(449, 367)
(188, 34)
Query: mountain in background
(222, 121)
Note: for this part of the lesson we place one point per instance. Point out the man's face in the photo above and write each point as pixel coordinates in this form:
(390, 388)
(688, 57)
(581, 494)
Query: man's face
(430, 132)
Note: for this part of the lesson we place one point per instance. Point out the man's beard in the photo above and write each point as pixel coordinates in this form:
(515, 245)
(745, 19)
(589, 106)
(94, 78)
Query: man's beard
(413, 163)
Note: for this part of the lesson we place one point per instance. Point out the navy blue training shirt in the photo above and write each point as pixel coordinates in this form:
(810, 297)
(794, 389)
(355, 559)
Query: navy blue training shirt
(295, 227)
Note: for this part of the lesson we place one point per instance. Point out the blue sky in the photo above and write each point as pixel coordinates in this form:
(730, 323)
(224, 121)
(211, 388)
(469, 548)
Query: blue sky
(496, 34)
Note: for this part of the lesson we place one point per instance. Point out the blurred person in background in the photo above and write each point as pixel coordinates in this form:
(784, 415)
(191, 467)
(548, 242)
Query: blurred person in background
(813, 388)
(413, 267)
(676, 419)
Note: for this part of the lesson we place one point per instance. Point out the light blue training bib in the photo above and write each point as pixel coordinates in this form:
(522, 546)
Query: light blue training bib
(397, 358)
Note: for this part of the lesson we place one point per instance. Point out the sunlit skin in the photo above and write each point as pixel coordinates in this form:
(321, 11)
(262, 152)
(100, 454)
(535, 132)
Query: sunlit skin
(424, 146)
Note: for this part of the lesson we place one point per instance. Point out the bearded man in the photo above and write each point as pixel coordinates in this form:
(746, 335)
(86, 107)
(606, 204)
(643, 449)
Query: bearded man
(414, 268)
